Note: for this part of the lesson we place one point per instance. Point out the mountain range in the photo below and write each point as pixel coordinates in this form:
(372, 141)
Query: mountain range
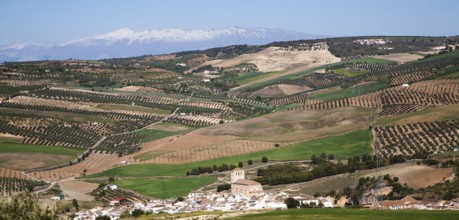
(125, 42)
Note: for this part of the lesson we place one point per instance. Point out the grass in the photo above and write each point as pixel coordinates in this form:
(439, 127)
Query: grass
(285, 107)
(19, 156)
(81, 118)
(344, 71)
(348, 92)
(244, 78)
(10, 145)
(342, 146)
(372, 60)
(152, 134)
(150, 155)
(441, 113)
(164, 188)
(132, 108)
(352, 214)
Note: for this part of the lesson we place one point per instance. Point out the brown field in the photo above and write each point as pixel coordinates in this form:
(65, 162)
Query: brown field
(417, 176)
(78, 190)
(295, 125)
(95, 163)
(280, 91)
(195, 147)
(129, 88)
(21, 161)
(400, 57)
(447, 112)
(10, 136)
(5, 172)
(273, 59)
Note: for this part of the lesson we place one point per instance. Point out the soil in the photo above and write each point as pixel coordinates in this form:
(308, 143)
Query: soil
(400, 57)
(78, 190)
(281, 90)
(28, 161)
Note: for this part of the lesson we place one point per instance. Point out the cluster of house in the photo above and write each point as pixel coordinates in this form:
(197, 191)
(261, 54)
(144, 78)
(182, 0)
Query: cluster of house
(410, 203)
(245, 195)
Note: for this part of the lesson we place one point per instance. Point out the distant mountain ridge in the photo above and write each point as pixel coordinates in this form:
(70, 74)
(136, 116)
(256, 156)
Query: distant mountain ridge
(125, 42)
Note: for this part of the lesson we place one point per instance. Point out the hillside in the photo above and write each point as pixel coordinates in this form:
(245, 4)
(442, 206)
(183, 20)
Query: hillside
(150, 120)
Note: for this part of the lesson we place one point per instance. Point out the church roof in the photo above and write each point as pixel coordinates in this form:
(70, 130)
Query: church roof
(246, 182)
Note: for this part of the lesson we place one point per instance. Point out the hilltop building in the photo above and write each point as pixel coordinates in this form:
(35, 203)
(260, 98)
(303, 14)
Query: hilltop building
(248, 188)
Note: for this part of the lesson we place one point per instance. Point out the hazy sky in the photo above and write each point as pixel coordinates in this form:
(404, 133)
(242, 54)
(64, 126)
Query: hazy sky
(61, 20)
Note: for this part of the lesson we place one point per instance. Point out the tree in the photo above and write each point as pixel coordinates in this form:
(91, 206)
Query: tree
(223, 187)
(75, 204)
(221, 121)
(292, 203)
(249, 162)
(137, 213)
(111, 179)
(264, 159)
(276, 145)
(25, 206)
(103, 217)
(240, 164)
(314, 159)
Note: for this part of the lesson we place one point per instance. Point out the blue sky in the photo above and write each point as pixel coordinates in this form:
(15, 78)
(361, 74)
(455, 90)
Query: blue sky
(61, 21)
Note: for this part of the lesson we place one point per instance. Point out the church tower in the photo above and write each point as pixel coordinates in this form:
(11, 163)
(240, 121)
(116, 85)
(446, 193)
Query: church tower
(237, 174)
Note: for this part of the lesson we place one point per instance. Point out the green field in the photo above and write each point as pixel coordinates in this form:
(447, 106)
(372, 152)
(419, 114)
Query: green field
(353, 214)
(132, 108)
(82, 118)
(164, 188)
(372, 60)
(348, 92)
(342, 146)
(152, 134)
(11, 145)
(244, 78)
(13, 151)
(344, 71)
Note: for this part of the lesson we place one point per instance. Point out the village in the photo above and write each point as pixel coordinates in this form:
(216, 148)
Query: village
(248, 195)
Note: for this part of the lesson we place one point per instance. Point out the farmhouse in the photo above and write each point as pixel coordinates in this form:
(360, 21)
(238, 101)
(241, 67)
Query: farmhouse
(244, 186)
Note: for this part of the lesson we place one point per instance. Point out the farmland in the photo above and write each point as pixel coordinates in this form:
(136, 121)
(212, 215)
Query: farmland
(342, 147)
(351, 214)
(149, 121)
(164, 188)
(15, 155)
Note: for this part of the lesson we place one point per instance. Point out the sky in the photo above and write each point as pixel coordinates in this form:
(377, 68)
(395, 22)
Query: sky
(51, 21)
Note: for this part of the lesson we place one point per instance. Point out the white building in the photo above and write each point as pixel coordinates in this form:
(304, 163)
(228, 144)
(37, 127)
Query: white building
(248, 188)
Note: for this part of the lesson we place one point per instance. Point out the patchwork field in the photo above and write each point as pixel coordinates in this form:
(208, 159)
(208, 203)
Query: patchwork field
(295, 125)
(342, 146)
(400, 57)
(164, 188)
(18, 156)
(417, 176)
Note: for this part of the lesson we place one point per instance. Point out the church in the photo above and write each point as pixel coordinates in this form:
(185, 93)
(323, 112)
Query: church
(239, 184)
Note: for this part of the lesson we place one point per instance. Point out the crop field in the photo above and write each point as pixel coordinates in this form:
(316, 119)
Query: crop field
(295, 125)
(357, 90)
(441, 113)
(132, 108)
(352, 214)
(346, 72)
(164, 188)
(344, 146)
(16, 155)
(244, 78)
(372, 60)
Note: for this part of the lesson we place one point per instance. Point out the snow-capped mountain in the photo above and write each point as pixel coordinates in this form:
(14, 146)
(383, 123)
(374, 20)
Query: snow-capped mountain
(126, 42)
